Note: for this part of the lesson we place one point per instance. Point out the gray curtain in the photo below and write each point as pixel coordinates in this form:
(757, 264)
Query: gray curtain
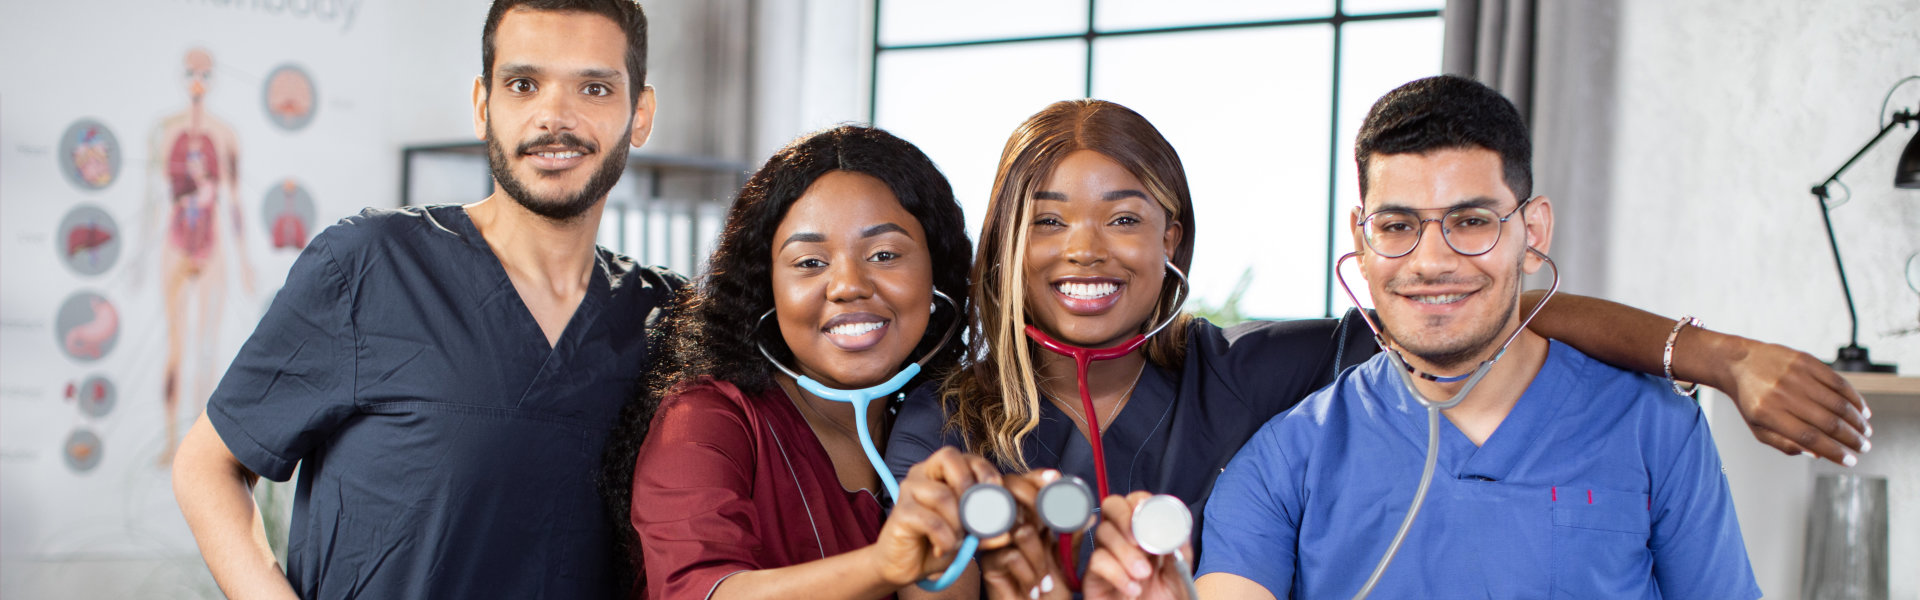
(1556, 61)
(1493, 41)
(699, 62)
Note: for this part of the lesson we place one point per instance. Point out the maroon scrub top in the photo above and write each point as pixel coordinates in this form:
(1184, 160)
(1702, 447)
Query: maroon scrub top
(726, 483)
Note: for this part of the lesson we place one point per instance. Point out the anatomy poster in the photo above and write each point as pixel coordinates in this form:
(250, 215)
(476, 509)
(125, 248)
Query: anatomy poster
(161, 165)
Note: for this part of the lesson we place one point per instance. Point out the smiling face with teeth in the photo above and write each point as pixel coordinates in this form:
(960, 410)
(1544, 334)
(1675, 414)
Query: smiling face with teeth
(557, 113)
(1443, 308)
(1096, 252)
(852, 281)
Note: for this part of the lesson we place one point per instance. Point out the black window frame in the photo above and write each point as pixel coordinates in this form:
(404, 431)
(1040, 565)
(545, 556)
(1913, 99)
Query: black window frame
(1338, 20)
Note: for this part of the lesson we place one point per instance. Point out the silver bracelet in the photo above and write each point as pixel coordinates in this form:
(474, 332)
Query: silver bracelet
(1666, 356)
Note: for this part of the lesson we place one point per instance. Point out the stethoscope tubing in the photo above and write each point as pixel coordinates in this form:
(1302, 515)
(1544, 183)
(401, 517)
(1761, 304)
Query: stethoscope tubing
(961, 559)
(1406, 373)
(1082, 363)
(862, 399)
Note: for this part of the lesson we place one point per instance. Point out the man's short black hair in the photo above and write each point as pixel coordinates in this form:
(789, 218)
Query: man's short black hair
(625, 13)
(1446, 113)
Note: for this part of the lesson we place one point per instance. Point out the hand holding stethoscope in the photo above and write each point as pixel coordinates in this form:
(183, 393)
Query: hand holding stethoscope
(1083, 359)
(1157, 528)
(1143, 542)
(1032, 568)
(949, 505)
(922, 525)
(1051, 504)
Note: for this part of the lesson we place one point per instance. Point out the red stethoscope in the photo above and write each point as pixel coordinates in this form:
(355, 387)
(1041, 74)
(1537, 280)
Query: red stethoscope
(1082, 361)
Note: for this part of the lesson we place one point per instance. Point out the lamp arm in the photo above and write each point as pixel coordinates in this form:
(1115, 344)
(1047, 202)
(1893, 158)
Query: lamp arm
(1899, 118)
(1820, 191)
(1853, 339)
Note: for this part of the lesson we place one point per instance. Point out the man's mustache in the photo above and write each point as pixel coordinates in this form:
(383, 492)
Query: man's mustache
(562, 139)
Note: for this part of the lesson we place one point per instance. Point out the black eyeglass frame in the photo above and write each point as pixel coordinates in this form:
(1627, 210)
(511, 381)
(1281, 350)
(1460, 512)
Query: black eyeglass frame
(1420, 229)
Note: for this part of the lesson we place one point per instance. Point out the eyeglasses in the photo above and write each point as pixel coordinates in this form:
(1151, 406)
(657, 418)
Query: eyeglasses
(1468, 230)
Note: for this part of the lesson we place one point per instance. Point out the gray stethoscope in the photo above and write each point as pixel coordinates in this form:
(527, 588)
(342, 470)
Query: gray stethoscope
(1161, 524)
(861, 399)
(1407, 373)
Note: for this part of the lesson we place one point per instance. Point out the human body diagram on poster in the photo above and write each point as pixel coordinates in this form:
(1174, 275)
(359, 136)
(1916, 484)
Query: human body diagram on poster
(196, 163)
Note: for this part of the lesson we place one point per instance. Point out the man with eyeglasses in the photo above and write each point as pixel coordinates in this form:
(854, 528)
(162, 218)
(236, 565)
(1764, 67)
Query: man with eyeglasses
(1557, 475)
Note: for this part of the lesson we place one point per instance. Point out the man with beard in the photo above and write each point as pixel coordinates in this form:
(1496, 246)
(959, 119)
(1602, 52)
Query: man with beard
(1557, 475)
(444, 377)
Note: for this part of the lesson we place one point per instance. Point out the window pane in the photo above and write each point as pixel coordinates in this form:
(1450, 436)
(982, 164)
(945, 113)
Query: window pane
(1112, 15)
(960, 104)
(1368, 7)
(1375, 56)
(1248, 111)
(927, 21)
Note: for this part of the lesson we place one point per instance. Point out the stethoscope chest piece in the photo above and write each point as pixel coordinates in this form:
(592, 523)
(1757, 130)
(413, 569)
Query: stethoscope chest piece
(1066, 505)
(987, 510)
(1162, 524)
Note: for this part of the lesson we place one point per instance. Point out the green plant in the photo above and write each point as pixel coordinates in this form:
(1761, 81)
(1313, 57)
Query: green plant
(1227, 313)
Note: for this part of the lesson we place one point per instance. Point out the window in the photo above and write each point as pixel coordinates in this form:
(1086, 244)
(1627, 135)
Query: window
(1260, 97)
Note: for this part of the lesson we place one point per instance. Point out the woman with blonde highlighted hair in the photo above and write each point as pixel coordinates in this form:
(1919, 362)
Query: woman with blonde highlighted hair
(1112, 135)
(1090, 217)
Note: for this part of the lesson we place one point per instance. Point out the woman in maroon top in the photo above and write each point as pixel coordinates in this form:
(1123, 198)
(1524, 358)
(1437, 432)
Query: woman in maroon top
(745, 485)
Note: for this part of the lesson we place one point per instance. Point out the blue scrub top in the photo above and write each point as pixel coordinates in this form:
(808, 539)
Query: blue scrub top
(445, 449)
(1180, 427)
(1599, 484)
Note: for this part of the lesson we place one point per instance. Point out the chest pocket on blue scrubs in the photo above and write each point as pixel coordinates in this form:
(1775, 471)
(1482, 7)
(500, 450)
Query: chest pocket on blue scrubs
(1600, 542)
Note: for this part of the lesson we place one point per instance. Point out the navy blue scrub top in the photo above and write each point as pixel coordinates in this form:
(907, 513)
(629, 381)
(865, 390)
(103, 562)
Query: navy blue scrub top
(446, 450)
(1180, 427)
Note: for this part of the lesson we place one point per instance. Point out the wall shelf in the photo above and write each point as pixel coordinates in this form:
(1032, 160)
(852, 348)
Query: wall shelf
(1885, 385)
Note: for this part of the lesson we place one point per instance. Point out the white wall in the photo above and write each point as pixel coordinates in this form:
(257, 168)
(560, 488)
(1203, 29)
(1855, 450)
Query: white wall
(1724, 113)
(1728, 111)
(433, 49)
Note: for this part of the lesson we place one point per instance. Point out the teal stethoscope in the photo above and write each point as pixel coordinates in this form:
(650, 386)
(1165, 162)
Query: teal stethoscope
(861, 399)
(1407, 373)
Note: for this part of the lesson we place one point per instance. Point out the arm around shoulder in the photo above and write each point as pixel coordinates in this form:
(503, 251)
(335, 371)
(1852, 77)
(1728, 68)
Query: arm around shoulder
(1791, 400)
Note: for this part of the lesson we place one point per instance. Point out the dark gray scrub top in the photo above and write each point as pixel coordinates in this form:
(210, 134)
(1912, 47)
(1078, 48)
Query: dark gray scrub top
(1180, 427)
(446, 450)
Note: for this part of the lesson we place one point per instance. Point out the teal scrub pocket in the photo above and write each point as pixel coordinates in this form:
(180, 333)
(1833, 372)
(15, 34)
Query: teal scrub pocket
(1600, 543)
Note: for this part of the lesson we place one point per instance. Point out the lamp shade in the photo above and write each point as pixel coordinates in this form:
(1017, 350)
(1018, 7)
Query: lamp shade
(1906, 173)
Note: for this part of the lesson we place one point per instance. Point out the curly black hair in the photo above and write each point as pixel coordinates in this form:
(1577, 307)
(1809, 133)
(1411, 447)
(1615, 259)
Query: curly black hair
(712, 332)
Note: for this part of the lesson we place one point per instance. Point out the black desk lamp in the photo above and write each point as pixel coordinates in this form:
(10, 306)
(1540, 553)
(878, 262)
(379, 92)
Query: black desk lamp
(1906, 175)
